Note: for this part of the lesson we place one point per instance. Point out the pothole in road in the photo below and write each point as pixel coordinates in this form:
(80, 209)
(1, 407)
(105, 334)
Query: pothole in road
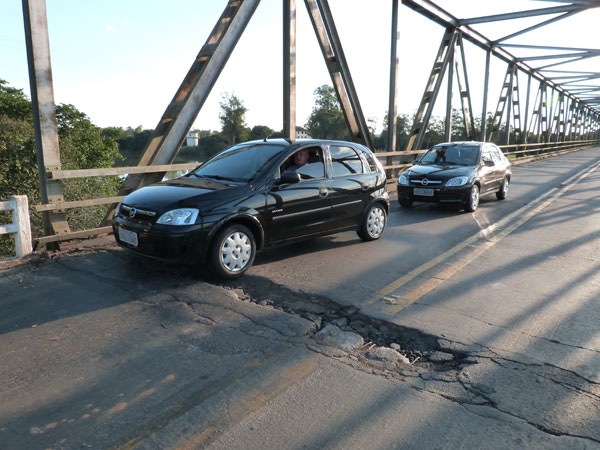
(384, 342)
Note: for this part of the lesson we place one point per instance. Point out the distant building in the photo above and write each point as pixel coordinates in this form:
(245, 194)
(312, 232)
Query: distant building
(192, 139)
(301, 133)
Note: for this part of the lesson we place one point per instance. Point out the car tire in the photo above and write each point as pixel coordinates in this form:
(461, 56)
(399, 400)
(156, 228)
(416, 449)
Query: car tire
(503, 192)
(232, 251)
(373, 224)
(473, 201)
(405, 203)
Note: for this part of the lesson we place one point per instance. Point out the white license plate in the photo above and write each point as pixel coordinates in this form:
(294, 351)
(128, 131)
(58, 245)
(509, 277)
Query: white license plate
(129, 237)
(423, 192)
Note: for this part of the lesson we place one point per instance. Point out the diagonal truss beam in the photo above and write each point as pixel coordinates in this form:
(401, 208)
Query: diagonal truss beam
(539, 25)
(333, 53)
(179, 116)
(520, 14)
(432, 89)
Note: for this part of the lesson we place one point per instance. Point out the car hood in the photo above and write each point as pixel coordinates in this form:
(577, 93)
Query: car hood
(198, 193)
(440, 172)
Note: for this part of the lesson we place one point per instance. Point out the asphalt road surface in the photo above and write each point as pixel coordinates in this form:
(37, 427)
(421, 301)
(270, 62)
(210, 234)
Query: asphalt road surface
(454, 330)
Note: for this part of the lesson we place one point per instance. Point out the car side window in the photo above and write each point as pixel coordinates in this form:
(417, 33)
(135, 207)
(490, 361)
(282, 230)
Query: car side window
(370, 161)
(345, 161)
(499, 155)
(308, 162)
(487, 155)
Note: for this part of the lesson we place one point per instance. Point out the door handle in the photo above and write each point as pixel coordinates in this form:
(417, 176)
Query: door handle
(323, 192)
(364, 186)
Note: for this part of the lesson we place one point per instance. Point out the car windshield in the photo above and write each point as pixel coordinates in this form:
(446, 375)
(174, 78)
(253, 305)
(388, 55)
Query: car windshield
(460, 155)
(239, 164)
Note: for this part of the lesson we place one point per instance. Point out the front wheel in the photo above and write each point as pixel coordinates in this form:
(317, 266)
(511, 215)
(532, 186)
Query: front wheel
(473, 201)
(373, 223)
(232, 251)
(503, 192)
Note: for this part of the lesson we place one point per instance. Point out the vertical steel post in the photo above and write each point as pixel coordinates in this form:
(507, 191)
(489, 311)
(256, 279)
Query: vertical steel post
(485, 96)
(393, 105)
(289, 69)
(44, 112)
(448, 128)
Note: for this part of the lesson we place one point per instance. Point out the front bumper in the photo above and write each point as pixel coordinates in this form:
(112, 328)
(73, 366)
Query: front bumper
(458, 194)
(174, 244)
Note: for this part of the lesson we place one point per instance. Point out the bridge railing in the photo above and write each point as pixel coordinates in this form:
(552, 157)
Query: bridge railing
(394, 163)
(20, 225)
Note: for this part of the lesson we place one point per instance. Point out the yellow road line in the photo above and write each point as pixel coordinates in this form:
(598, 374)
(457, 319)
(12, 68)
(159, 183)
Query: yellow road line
(485, 239)
(254, 402)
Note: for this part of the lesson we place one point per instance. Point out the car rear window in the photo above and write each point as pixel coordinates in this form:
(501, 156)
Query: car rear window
(345, 161)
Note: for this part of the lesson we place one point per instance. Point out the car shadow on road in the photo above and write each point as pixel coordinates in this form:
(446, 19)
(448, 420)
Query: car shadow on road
(275, 254)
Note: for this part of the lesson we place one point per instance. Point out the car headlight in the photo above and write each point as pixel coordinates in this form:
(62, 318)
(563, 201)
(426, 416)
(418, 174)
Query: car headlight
(182, 216)
(403, 180)
(118, 208)
(457, 181)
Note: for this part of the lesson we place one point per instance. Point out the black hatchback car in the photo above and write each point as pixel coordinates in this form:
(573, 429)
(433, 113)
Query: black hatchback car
(255, 195)
(457, 172)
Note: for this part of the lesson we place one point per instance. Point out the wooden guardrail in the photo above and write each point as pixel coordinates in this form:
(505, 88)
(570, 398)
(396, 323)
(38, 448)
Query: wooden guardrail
(20, 225)
(394, 163)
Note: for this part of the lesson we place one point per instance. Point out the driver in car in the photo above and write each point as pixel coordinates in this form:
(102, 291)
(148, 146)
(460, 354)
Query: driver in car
(300, 159)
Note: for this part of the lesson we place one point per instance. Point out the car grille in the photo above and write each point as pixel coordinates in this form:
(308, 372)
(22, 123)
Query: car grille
(136, 214)
(428, 183)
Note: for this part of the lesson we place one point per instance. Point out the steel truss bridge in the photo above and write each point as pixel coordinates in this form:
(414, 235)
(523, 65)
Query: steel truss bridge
(572, 121)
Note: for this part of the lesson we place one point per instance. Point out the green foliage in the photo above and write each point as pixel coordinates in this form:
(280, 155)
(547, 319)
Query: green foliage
(131, 143)
(403, 127)
(260, 132)
(13, 102)
(18, 173)
(326, 121)
(82, 146)
(232, 117)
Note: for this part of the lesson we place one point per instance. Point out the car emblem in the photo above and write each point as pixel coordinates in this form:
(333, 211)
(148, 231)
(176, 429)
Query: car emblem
(132, 213)
(424, 181)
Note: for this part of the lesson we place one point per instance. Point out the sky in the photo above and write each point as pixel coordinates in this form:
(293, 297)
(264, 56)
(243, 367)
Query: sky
(122, 61)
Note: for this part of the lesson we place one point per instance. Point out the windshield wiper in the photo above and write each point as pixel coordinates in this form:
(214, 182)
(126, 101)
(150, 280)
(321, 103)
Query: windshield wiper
(222, 178)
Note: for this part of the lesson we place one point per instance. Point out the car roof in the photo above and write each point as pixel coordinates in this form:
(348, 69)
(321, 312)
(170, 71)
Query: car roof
(298, 142)
(473, 143)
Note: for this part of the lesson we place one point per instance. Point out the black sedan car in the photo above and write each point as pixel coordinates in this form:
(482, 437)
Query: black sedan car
(253, 195)
(457, 172)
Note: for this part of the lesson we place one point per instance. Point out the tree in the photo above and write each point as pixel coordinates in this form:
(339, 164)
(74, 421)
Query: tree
(403, 127)
(260, 132)
(82, 145)
(232, 119)
(14, 103)
(326, 121)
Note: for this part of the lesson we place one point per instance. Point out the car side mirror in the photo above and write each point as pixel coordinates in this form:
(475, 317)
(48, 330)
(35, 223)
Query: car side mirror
(489, 163)
(290, 176)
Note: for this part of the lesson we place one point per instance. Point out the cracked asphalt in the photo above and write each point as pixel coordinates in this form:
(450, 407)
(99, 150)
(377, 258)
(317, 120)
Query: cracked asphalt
(102, 349)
